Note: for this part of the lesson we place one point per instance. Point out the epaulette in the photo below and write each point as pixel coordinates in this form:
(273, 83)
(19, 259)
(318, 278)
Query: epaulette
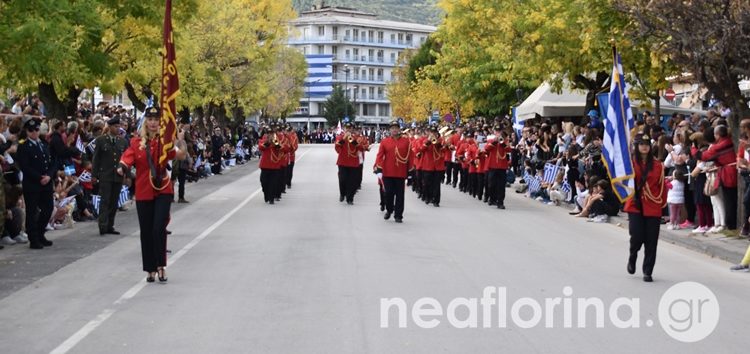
(21, 141)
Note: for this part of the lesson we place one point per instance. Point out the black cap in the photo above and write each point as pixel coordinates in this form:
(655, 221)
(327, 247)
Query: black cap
(642, 139)
(498, 128)
(394, 123)
(31, 124)
(348, 125)
(114, 120)
(152, 111)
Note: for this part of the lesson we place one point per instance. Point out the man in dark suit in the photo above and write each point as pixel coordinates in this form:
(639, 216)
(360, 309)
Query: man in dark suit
(33, 158)
(217, 144)
(107, 152)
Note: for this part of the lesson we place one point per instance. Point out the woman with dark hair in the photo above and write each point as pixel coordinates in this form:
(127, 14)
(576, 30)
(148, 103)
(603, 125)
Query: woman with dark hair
(645, 208)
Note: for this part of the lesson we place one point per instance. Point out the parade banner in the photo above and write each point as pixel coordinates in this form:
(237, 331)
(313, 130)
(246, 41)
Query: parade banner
(170, 88)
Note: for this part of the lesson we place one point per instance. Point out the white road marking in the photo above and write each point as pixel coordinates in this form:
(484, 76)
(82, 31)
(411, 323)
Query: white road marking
(92, 325)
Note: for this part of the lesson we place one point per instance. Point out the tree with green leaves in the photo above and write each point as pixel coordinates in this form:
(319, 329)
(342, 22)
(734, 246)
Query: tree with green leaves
(337, 107)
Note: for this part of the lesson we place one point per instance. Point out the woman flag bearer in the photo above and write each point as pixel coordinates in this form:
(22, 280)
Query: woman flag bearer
(646, 206)
(394, 161)
(153, 191)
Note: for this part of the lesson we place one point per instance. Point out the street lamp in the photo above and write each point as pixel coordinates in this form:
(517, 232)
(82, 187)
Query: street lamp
(309, 104)
(346, 89)
(356, 89)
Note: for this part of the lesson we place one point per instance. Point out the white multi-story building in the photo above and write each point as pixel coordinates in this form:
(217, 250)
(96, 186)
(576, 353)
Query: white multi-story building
(365, 51)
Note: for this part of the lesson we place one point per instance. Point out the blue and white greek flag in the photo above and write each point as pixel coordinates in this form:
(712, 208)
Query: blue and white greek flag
(124, 196)
(149, 103)
(79, 144)
(239, 150)
(566, 187)
(85, 177)
(517, 126)
(550, 172)
(198, 162)
(95, 201)
(534, 183)
(617, 125)
(319, 81)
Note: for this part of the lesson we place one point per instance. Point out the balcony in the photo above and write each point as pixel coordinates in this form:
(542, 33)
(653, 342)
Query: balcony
(336, 39)
(367, 60)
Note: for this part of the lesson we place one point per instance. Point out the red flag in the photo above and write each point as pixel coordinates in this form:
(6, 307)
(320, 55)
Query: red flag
(170, 88)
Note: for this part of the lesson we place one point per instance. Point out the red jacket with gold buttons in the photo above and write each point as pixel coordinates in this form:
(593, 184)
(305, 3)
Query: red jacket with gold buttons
(395, 157)
(347, 151)
(135, 156)
(497, 155)
(654, 192)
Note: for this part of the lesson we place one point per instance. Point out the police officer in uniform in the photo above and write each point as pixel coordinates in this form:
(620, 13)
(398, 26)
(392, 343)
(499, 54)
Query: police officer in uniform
(107, 153)
(35, 162)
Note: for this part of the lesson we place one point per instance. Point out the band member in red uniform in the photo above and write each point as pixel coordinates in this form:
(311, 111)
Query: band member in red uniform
(461, 150)
(364, 143)
(293, 146)
(270, 163)
(497, 159)
(394, 160)
(348, 161)
(153, 191)
(645, 208)
(455, 141)
(417, 141)
(433, 166)
(285, 151)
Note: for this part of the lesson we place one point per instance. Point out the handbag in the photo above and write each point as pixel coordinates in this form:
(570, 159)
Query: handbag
(712, 184)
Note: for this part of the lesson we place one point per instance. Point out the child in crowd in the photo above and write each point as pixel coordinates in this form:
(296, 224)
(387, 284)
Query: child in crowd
(675, 198)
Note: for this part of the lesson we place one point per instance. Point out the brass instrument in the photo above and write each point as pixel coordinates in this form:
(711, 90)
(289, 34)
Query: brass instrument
(434, 141)
(275, 140)
(350, 139)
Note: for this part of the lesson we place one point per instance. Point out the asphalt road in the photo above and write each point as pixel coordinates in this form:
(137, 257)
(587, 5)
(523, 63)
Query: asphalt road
(307, 275)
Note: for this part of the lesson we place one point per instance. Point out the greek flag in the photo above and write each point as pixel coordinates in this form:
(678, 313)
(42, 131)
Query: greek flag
(149, 103)
(198, 162)
(319, 81)
(617, 126)
(95, 201)
(550, 172)
(239, 150)
(566, 187)
(534, 183)
(79, 145)
(517, 126)
(124, 196)
(85, 177)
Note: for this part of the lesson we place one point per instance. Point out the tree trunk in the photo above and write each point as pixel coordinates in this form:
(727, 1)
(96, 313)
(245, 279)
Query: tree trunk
(57, 108)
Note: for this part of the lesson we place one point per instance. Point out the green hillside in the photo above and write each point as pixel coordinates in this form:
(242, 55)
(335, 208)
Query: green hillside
(419, 11)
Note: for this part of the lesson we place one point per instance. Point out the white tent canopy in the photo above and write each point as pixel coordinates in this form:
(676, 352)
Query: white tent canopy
(571, 103)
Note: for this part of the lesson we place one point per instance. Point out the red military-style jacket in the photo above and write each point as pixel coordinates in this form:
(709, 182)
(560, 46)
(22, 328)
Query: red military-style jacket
(364, 142)
(722, 152)
(433, 155)
(461, 152)
(293, 146)
(271, 155)
(395, 157)
(135, 156)
(347, 151)
(497, 155)
(416, 147)
(654, 195)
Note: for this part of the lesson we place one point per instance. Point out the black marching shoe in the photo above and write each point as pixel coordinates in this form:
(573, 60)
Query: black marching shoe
(270, 201)
(45, 242)
(501, 206)
(341, 198)
(35, 246)
(387, 215)
(382, 207)
(631, 268)
(350, 202)
(151, 277)
(399, 221)
(113, 232)
(437, 205)
(648, 278)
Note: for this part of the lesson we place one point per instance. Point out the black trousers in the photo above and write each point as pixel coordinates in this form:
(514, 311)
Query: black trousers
(464, 183)
(730, 207)
(359, 177)
(456, 171)
(644, 231)
(496, 190)
(417, 184)
(268, 181)
(39, 207)
(448, 172)
(434, 181)
(281, 182)
(153, 217)
(347, 182)
(110, 195)
(394, 196)
(289, 174)
(181, 177)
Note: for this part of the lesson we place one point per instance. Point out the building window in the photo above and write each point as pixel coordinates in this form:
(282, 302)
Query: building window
(380, 56)
(408, 39)
(356, 35)
(380, 74)
(393, 39)
(348, 35)
(348, 54)
(321, 49)
(380, 37)
(421, 40)
(304, 50)
(321, 31)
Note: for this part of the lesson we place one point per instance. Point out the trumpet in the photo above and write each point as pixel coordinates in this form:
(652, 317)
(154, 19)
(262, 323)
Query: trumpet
(434, 141)
(350, 139)
(275, 140)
